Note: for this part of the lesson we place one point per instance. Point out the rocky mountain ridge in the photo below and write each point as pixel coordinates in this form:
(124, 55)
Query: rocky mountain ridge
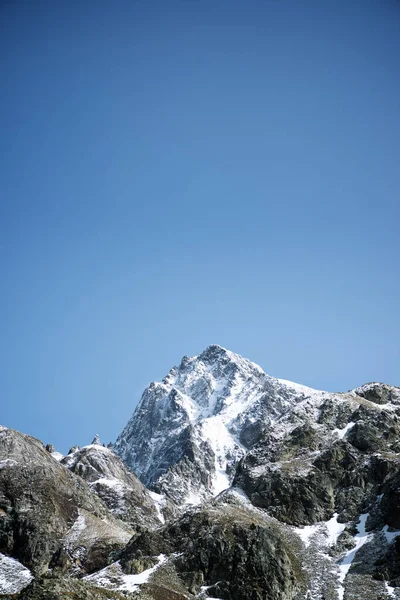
(261, 489)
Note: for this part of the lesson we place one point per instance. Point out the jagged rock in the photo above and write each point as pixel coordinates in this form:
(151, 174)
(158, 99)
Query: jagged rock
(345, 541)
(50, 448)
(73, 449)
(292, 497)
(387, 567)
(120, 489)
(14, 577)
(379, 393)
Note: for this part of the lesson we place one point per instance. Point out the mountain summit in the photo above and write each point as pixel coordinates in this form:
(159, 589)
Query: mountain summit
(189, 431)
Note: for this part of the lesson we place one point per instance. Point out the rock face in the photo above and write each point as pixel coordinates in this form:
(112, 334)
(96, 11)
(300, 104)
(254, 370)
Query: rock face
(262, 489)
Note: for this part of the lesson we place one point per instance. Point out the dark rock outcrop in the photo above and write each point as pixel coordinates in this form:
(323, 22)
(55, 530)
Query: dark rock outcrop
(237, 552)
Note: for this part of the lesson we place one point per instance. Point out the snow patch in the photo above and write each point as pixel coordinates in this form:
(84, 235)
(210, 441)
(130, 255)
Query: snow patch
(390, 590)
(390, 535)
(203, 590)
(131, 582)
(342, 432)
(57, 455)
(305, 533)
(160, 503)
(111, 483)
(301, 389)
(96, 447)
(361, 538)
(217, 435)
(194, 498)
(75, 531)
(334, 529)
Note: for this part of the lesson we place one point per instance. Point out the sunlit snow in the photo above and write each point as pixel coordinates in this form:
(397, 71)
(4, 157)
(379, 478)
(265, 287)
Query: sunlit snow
(160, 503)
(113, 578)
(330, 529)
(390, 590)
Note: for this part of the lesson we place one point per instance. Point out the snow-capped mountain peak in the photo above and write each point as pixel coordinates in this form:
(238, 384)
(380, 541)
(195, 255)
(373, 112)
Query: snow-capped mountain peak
(207, 411)
(206, 384)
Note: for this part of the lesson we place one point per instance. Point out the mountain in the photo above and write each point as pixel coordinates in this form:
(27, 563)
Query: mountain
(315, 460)
(249, 488)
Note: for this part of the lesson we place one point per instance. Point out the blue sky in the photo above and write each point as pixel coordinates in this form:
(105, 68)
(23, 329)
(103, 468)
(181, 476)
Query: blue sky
(176, 174)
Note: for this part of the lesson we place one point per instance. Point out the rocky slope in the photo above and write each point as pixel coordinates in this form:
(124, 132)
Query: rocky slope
(49, 518)
(119, 488)
(262, 489)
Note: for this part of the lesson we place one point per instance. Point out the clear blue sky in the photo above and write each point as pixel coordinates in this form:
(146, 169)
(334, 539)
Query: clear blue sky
(181, 173)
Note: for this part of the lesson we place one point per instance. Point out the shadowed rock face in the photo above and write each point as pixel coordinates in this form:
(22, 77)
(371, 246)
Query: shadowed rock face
(46, 511)
(390, 503)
